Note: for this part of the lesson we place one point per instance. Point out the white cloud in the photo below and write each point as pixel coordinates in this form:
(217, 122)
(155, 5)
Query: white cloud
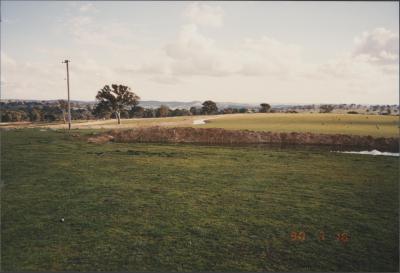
(91, 67)
(165, 79)
(356, 77)
(189, 42)
(267, 55)
(7, 64)
(203, 14)
(192, 64)
(372, 63)
(44, 80)
(380, 46)
(29, 79)
(86, 30)
(157, 67)
(194, 54)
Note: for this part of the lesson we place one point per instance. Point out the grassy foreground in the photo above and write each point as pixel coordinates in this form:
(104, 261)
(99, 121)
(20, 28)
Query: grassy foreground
(374, 125)
(153, 207)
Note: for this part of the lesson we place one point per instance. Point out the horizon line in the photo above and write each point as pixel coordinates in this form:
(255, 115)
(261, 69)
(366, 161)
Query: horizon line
(250, 103)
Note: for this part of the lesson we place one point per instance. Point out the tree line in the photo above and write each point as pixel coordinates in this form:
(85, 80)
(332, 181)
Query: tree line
(43, 112)
(115, 101)
(118, 101)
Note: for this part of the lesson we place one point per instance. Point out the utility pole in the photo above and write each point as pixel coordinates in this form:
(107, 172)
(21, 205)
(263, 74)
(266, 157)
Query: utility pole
(69, 107)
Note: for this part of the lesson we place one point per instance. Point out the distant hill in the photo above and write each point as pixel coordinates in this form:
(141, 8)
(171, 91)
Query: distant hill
(170, 104)
(198, 104)
(187, 105)
(151, 103)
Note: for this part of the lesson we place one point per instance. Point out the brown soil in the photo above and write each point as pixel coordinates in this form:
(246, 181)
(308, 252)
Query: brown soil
(101, 139)
(222, 136)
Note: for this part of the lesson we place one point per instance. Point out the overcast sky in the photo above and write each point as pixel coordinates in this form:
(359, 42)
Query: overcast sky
(276, 52)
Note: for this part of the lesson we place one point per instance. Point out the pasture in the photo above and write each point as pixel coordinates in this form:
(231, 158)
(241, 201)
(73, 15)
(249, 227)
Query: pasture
(374, 125)
(165, 207)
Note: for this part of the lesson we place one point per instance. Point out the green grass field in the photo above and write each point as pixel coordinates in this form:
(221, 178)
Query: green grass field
(159, 207)
(374, 125)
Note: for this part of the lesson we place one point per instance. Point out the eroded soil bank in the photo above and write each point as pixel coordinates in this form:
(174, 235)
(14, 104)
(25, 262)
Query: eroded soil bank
(222, 136)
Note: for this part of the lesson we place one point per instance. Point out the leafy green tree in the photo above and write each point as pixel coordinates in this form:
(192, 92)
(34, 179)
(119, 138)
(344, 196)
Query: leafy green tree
(162, 111)
(14, 115)
(101, 111)
(35, 115)
(64, 108)
(81, 114)
(49, 116)
(149, 113)
(227, 111)
(136, 112)
(51, 113)
(115, 99)
(124, 113)
(326, 108)
(195, 111)
(209, 107)
(265, 108)
(6, 116)
(180, 112)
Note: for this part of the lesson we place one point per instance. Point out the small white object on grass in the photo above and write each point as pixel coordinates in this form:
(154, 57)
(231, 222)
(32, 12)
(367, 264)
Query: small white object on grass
(62, 220)
(373, 152)
(199, 121)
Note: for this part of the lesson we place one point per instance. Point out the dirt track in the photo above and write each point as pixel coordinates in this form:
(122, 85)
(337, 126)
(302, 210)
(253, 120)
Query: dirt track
(222, 136)
(112, 124)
